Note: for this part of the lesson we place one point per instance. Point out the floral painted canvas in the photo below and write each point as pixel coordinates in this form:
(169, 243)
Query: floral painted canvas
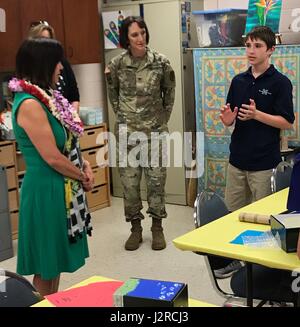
(265, 13)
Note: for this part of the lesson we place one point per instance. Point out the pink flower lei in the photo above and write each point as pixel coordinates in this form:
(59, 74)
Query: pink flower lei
(58, 105)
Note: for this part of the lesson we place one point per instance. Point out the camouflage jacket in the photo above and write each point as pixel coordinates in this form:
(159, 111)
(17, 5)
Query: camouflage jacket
(141, 92)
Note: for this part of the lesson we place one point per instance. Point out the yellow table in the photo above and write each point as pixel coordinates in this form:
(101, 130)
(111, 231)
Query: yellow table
(214, 238)
(94, 279)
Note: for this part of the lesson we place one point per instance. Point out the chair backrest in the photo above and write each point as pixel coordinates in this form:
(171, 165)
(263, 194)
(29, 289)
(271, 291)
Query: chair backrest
(281, 176)
(209, 206)
(16, 291)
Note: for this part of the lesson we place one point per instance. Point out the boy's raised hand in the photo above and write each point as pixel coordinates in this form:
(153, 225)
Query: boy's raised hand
(248, 111)
(228, 116)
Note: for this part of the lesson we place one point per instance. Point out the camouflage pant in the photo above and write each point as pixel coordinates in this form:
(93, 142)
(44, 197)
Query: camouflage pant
(155, 177)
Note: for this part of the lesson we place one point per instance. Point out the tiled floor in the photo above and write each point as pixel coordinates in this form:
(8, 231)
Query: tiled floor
(109, 258)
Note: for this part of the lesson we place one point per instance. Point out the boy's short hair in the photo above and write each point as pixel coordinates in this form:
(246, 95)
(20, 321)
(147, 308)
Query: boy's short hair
(126, 23)
(263, 33)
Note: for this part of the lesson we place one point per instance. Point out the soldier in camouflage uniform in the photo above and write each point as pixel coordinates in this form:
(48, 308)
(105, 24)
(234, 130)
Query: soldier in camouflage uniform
(141, 88)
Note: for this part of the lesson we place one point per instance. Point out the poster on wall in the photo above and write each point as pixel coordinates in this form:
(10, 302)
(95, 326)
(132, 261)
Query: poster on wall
(185, 23)
(111, 23)
(265, 13)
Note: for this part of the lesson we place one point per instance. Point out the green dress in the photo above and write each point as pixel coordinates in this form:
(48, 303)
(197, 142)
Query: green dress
(43, 244)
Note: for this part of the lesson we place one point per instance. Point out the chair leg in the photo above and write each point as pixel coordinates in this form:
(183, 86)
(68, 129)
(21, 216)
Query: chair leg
(262, 303)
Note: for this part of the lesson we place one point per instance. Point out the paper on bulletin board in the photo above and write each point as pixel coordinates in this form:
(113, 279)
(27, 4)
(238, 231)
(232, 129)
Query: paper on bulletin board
(111, 23)
(264, 13)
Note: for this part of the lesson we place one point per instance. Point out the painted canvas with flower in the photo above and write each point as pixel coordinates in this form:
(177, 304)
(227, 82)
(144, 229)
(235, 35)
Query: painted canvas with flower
(265, 13)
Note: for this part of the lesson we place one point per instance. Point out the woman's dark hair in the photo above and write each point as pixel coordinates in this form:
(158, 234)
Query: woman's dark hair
(124, 41)
(36, 60)
(263, 33)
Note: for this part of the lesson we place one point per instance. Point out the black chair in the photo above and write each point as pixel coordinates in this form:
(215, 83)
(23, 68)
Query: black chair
(281, 176)
(208, 207)
(269, 285)
(16, 291)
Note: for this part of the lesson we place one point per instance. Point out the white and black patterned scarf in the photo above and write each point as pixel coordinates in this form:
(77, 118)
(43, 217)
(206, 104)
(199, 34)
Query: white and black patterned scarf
(78, 215)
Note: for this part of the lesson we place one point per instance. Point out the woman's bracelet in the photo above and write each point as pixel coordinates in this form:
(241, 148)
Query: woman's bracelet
(81, 176)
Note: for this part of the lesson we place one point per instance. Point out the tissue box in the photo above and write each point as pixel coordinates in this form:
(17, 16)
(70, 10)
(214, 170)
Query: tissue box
(220, 28)
(137, 292)
(91, 115)
(287, 226)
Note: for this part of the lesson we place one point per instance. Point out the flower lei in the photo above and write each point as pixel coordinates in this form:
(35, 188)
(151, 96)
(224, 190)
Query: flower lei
(58, 105)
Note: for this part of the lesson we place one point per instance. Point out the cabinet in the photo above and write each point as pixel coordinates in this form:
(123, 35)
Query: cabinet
(6, 248)
(10, 39)
(165, 37)
(76, 25)
(94, 148)
(82, 28)
(8, 160)
(38, 10)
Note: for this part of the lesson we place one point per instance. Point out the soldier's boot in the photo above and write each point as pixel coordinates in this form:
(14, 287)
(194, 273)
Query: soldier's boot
(158, 238)
(135, 237)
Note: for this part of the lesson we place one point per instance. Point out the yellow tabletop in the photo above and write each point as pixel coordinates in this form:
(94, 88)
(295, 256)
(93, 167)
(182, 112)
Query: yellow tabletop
(215, 237)
(94, 279)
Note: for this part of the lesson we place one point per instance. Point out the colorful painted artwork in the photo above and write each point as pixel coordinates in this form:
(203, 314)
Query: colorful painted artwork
(111, 23)
(213, 72)
(265, 13)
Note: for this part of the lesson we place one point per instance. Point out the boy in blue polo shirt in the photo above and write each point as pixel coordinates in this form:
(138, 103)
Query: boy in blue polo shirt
(260, 103)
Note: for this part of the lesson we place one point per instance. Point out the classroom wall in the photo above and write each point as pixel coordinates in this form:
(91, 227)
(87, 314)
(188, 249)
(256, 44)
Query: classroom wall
(90, 79)
(90, 76)
(222, 4)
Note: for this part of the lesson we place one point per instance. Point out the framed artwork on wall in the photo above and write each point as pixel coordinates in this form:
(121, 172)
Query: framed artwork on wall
(264, 13)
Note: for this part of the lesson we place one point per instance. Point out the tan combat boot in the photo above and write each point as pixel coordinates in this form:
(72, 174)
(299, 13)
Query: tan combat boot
(135, 237)
(158, 238)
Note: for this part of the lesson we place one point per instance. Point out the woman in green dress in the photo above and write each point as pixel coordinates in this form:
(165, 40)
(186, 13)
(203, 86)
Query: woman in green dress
(53, 215)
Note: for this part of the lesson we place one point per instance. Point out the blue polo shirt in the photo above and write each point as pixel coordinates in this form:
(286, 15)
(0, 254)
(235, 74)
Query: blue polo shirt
(254, 145)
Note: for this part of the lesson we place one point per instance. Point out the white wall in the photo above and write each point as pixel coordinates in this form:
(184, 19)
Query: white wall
(222, 4)
(90, 79)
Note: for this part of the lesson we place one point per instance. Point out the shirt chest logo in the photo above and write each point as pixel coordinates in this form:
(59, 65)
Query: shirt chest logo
(265, 92)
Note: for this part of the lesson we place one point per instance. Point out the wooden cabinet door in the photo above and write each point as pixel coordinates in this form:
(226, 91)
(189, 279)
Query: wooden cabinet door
(41, 10)
(82, 39)
(10, 34)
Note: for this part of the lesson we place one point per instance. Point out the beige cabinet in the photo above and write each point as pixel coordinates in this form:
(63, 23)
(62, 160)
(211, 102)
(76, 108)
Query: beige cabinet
(94, 148)
(163, 18)
(8, 160)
